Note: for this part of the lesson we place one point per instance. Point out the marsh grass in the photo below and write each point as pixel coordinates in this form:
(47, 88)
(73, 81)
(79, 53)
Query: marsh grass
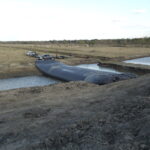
(82, 51)
(13, 57)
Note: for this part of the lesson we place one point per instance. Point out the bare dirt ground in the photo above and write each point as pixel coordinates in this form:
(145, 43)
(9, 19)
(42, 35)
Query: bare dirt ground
(77, 115)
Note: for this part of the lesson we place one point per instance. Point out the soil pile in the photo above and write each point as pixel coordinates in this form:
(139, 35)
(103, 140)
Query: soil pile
(77, 115)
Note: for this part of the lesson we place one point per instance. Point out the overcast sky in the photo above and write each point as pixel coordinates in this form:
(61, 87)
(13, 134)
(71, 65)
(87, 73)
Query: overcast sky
(73, 19)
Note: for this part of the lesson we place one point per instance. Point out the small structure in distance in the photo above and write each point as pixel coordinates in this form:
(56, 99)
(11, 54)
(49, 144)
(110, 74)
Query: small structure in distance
(32, 54)
(45, 56)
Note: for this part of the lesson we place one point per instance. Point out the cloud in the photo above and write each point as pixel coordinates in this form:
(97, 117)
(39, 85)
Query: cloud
(116, 20)
(139, 11)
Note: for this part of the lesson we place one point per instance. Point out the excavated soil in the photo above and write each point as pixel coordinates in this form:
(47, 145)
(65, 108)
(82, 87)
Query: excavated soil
(77, 116)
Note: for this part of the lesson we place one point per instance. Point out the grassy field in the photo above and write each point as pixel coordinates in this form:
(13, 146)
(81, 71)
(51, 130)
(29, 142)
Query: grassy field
(14, 62)
(100, 51)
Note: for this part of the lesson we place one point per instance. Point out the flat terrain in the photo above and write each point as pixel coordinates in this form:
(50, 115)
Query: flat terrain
(75, 115)
(95, 51)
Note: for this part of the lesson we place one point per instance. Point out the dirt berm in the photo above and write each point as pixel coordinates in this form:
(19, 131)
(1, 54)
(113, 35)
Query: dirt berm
(77, 116)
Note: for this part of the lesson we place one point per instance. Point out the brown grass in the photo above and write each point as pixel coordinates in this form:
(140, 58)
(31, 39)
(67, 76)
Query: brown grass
(106, 52)
(13, 58)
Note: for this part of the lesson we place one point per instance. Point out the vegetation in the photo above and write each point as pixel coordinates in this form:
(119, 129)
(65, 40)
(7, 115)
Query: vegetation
(109, 42)
(14, 62)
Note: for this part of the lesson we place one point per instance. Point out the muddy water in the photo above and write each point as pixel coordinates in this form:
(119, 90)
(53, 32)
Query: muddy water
(142, 61)
(23, 82)
(99, 68)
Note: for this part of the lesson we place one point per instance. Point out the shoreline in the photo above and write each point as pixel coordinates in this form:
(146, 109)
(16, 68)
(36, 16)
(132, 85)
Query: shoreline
(29, 69)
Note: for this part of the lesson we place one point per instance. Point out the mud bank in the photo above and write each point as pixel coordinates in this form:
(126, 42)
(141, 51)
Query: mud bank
(123, 67)
(18, 70)
(77, 115)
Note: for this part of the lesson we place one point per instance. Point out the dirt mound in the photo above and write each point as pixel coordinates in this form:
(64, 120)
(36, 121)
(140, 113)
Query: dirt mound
(76, 116)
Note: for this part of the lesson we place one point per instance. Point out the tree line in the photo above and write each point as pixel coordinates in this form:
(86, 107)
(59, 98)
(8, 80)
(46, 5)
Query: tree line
(95, 42)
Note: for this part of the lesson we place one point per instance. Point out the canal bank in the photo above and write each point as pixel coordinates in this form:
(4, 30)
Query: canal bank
(77, 115)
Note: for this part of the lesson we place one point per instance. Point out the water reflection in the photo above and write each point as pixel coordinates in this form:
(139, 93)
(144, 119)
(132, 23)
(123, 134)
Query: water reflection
(22, 82)
(97, 67)
(142, 61)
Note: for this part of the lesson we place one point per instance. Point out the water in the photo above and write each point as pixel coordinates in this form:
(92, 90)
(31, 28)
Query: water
(32, 81)
(23, 82)
(142, 61)
(99, 68)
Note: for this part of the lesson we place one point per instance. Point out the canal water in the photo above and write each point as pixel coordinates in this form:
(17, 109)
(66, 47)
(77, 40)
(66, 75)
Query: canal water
(97, 67)
(23, 82)
(32, 81)
(142, 61)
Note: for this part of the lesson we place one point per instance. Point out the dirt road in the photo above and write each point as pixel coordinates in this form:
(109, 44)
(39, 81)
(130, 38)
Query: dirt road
(76, 116)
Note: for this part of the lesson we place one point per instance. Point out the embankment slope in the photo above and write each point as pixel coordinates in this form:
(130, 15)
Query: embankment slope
(77, 115)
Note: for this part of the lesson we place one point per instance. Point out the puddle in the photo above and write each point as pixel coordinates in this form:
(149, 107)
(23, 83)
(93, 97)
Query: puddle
(99, 68)
(142, 61)
(23, 82)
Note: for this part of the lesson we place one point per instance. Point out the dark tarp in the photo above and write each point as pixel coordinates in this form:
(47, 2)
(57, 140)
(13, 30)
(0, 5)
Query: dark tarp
(64, 72)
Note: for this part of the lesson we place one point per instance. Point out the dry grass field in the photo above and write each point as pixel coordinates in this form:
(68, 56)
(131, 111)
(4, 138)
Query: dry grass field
(14, 62)
(100, 51)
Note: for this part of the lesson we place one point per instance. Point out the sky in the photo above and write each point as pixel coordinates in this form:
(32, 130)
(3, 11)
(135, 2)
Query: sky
(36, 20)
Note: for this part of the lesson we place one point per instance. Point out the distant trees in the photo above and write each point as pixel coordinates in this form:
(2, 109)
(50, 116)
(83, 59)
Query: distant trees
(110, 42)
